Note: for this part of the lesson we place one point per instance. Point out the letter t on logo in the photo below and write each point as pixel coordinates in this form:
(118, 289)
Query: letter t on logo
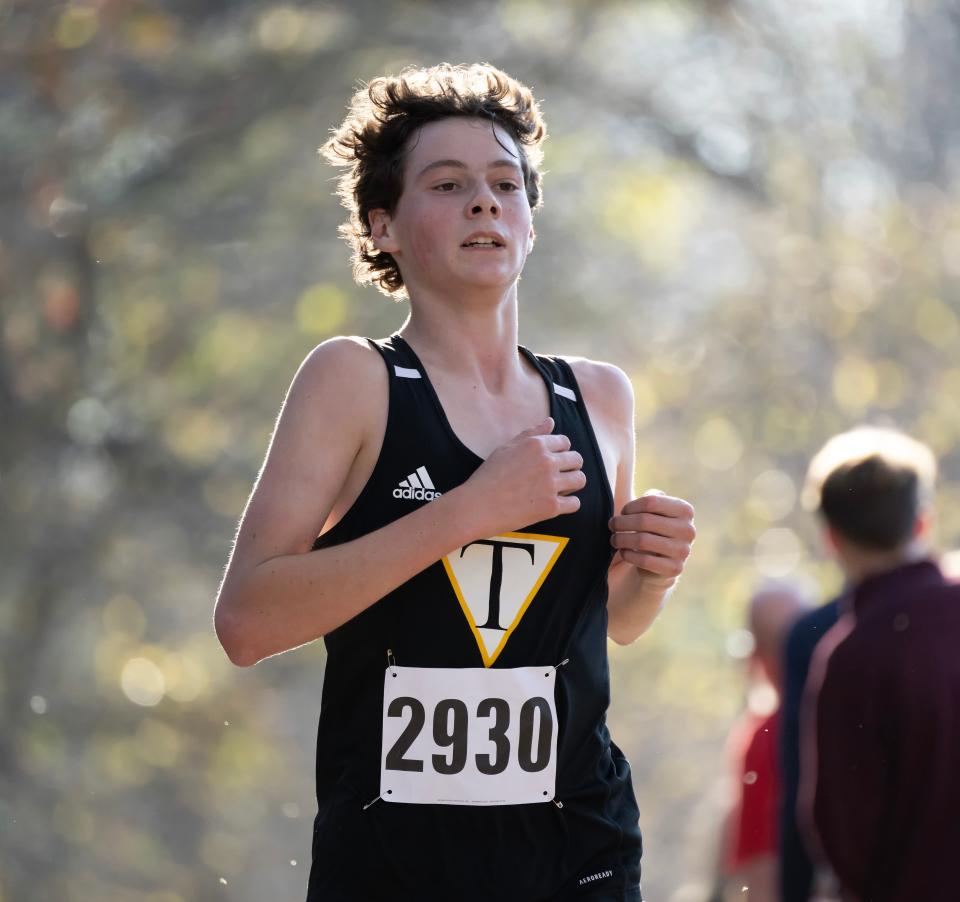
(495, 590)
(496, 577)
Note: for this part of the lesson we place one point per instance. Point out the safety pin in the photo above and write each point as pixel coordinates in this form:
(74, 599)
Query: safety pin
(377, 799)
(391, 662)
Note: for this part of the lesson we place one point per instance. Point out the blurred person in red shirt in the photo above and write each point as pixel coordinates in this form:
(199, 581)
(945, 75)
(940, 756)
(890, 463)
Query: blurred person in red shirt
(880, 730)
(749, 845)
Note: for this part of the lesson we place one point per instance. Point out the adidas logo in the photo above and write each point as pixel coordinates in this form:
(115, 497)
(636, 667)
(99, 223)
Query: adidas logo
(418, 486)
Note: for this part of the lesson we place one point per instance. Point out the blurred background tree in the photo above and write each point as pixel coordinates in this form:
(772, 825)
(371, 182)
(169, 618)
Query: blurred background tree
(751, 205)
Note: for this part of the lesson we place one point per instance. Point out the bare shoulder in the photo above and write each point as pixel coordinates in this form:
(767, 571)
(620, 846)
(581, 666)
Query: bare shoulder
(333, 409)
(337, 399)
(344, 359)
(606, 390)
(340, 385)
(608, 396)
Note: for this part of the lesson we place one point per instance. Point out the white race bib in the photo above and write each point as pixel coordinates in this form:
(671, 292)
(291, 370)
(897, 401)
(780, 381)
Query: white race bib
(469, 736)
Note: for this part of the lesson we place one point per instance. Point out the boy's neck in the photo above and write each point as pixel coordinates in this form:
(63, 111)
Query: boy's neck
(475, 338)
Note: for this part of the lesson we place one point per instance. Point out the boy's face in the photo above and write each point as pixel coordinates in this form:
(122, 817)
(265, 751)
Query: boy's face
(463, 220)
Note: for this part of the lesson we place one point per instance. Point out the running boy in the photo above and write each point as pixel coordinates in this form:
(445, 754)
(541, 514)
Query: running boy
(448, 510)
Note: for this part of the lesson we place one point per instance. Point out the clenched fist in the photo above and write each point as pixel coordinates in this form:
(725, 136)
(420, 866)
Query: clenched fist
(529, 479)
(655, 533)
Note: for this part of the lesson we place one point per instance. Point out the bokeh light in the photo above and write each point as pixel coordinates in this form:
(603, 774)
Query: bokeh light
(142, 682)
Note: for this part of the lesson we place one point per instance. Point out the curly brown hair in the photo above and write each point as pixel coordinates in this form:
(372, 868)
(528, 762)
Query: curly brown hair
(372, 142)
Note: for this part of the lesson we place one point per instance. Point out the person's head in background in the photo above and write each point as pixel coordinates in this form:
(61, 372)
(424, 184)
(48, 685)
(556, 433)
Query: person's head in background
(873, 489)
(774, 607)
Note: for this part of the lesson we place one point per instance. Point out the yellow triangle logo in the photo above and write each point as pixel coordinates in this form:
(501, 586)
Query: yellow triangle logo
(495, 580)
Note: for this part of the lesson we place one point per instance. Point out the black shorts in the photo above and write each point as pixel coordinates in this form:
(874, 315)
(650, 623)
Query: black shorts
(612, 885)
(616, 888)
(632, 894)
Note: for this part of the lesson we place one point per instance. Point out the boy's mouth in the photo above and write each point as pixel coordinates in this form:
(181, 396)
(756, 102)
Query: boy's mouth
(483, 241)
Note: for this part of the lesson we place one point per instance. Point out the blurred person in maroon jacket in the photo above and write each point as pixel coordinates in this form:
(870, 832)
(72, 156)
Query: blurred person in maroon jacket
(880, 784)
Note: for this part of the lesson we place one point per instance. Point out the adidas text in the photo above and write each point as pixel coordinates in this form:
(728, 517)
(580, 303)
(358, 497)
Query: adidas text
(416, 494)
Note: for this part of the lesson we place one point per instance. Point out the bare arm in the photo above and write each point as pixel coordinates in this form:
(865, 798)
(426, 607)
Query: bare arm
(653, 533)
(277, 593)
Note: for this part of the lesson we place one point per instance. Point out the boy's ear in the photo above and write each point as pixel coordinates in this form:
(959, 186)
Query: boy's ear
(381, 231)
(531, 239)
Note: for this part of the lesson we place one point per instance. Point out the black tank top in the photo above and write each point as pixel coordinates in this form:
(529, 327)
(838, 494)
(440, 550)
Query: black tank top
(526, 852)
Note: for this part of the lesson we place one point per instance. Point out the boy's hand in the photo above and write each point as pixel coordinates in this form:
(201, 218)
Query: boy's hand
(655, 533)
(529, 479)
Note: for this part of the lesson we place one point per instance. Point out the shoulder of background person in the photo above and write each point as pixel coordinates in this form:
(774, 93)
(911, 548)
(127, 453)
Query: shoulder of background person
(931, 607)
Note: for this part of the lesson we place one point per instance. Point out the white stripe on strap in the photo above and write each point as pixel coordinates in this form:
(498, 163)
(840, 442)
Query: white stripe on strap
(564, 392)
(406, 373)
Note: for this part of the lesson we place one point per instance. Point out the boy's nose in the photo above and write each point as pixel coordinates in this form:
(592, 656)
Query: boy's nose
(484, 200)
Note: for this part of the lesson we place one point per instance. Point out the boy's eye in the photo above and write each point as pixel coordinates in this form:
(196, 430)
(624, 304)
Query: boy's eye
(508, 186)
(446, 186)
